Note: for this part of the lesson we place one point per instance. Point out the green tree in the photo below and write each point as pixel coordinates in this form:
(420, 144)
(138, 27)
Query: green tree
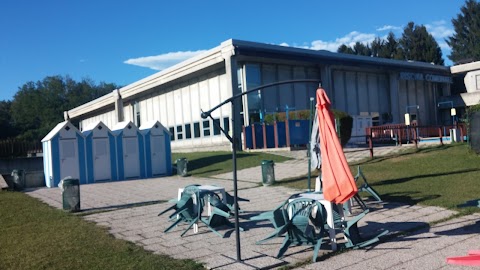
(362, 49)
(37, 107)
(6, 123)
(377, 46)
(418, 45)
(345, 49)
(465, 42)
(358, 49)
(390, 48)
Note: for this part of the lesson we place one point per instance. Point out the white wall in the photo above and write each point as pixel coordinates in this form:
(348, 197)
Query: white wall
(108, 118)
(179, 106)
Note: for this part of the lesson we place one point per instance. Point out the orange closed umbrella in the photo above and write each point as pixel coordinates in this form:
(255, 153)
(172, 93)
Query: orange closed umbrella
(338, 183)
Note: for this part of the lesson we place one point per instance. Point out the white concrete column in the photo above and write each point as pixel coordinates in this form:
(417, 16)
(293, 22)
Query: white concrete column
(118, 105)
(228, 54)
(394, 99)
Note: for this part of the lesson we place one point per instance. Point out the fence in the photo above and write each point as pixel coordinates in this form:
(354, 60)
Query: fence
(399, 134)
(280, 134)
(19, 148)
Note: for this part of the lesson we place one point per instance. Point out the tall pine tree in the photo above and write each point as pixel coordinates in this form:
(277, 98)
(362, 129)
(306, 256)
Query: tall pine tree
(418, 45)
(465, 42)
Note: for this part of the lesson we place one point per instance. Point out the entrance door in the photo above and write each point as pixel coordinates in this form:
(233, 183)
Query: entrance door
(358, 129)
(131, 160)
(159, 165)
(101, 160)
(69, 159)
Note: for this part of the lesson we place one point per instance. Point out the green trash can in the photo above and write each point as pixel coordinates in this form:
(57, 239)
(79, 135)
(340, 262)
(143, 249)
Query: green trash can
(268, 172)
(18, 179)
(70, 194)
(182, 166)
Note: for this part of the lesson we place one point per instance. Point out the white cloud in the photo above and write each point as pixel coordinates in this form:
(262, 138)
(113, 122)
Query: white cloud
(439, 29)
(389, 28)
(350, 39)
(163, 61)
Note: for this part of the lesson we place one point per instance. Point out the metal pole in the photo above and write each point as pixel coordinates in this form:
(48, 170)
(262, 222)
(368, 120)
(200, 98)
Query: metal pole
(309, 148)
(234, 142)
(235, 189)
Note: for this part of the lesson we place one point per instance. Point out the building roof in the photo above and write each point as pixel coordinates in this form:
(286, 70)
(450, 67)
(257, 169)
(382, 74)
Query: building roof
(90, 127)
(57, 129)
(464, 68)
(249, 49)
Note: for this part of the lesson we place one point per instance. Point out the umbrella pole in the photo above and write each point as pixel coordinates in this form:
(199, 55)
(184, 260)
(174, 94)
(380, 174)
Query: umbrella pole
(309, 148)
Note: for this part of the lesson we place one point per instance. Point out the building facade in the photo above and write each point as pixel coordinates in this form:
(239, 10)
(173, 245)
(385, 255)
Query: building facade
(373, 91)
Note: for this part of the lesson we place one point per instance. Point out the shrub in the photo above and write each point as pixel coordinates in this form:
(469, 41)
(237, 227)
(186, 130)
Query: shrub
(346, 124)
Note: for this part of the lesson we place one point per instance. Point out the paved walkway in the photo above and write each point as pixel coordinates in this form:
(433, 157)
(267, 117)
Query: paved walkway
(129, 210)
(298, 165)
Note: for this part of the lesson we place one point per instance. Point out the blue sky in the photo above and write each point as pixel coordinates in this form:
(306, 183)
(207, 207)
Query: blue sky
(124, 41)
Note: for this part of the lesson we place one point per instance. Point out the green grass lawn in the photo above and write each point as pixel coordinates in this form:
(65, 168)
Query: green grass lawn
(36, 236)
(447, 176)
(204, 164)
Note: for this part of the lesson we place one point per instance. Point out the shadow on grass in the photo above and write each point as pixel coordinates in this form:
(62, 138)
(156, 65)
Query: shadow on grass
(402, 154)
(403, 180)
(406, 198)
(208, 161)
(472, 203)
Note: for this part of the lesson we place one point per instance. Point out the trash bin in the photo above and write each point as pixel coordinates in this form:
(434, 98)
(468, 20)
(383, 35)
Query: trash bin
(70, 194)
(268, 173)
(182, 166)
(18, 179)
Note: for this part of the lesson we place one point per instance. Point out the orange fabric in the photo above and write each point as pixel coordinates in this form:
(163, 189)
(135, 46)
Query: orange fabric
(470, 260)
(337, 179)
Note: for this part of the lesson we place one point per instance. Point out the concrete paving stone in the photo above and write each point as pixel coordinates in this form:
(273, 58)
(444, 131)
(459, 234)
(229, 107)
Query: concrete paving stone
(157, 248)
(236, 266)
(263, 262)
(150, 234)
(133, 238)
(130, 233)
(438, 216)
(362, 265)
(335, 262)
(177, 252)
(150, 241)
(217, 261)
(195, 254)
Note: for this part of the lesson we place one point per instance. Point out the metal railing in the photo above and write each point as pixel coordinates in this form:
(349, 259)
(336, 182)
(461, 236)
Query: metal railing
(19, 148)
(399, 134)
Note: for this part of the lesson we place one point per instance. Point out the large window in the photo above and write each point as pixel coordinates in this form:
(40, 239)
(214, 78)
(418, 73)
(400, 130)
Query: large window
(188, 131)
(179, 132)
(196, 130)
(216, 126)
(226, 124)
(206, 128)
(136, 113)
(172, 133)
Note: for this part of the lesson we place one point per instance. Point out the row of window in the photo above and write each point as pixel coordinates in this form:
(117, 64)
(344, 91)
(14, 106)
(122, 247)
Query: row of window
(183, 132)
